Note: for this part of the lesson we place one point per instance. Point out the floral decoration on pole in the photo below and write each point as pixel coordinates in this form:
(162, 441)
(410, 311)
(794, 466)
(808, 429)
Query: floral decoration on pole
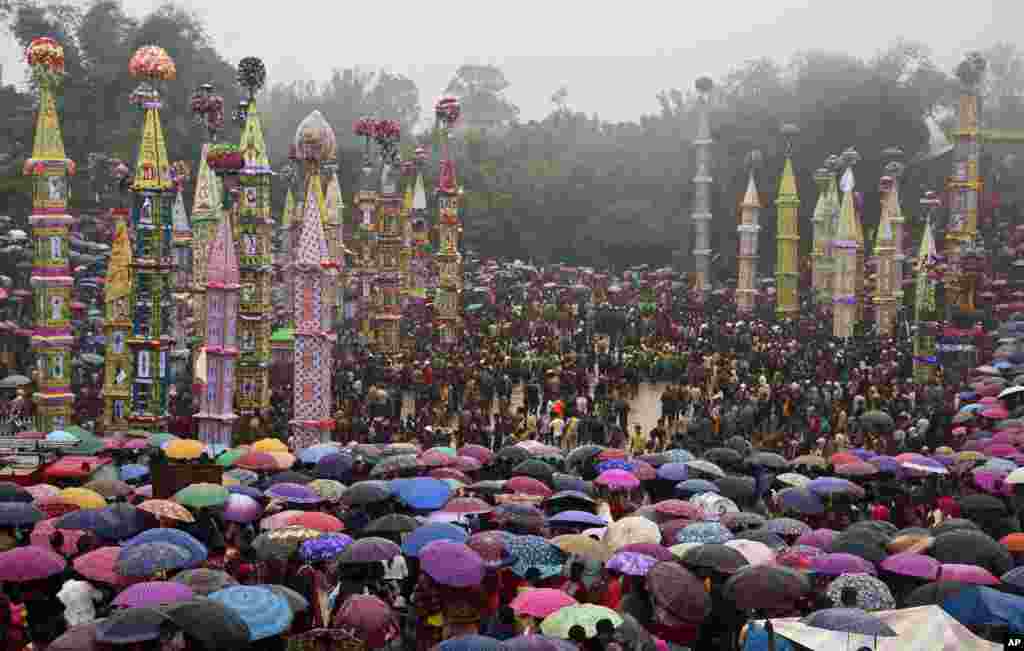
(45, 57)
(208, 110)
(252, 75)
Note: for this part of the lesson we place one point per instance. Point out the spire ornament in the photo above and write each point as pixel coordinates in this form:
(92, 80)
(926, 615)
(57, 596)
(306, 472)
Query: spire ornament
(787, 269)
(748, 229)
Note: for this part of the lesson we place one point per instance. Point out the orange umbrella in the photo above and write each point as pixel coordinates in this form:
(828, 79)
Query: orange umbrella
(167, 509)
(1014, 543)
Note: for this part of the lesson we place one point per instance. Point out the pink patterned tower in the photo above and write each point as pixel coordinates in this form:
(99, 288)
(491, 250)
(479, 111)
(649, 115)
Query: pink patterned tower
(216, 415)
(314, 142)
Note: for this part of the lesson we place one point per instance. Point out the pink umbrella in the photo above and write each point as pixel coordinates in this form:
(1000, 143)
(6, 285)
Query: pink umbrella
(996, 413)
(153, 593)
(756, 552)
(1000, 450)
(467, 505)
(527, 486)
(478, 452)
(618, 479)
(435, 459)
(29, 564)
(910, 564)
(41, 532)
(467, 464)
(38, 491)
(966, 574)
(279, 520)
(242, 508)
(540, 602)
(989, 400)
(820, 538)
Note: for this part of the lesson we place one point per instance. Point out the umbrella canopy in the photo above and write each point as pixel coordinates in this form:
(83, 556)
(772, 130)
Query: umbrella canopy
(369, 550)
(719, 558)
(393, 523)
(264, 612)
(913, 565)
(974, 548)
(631, 530)
(131, 626)
(325, 548)
(148, 559)
(167, 509)
(366, 492)
(83, 498)
(678, 592)
(280, 544)
(631, 563)
(202, 495)
(471, 643)
(540, 602)
(374, 621)
(704, 533)
(534, 552)
(99, 565)
(577, 518)
(452, 564)
(764, 587)
(836, 564)
(241, 508)
(429, 533)
(422, 493)
(19, 514)
(202, 581)
(214, 625)
(872, 594)
(11, 492)
(293, 493)
(153, 593)
(197, 551)
(849, 620)
(31, 563)
(584, 546)
(586, 616)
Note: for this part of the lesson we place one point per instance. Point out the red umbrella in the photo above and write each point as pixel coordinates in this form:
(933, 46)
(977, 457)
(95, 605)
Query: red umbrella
(964, 573)
(29, 564)
(679, 509)
(317, 521)
(99, 565)
(677, 593)
(467, 505)
(478, 452)
(527, 486)
(258, 461)
(435, 459)
(540, 602)
(644, 471)
(843, 458)
(374, 622)
(54, 507)
(467, 464)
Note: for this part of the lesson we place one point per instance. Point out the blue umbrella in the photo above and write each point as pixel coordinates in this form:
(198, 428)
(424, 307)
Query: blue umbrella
(535, 552)
(19, 514)
(422, 493)
(315, 453)
(695, 487)
(704, 533)
(849, 620)
(428, 533)
(335, 466)
(968, 395)
(615, 464)
(265, 612)
(60, 436)
(243, 476)
(678, 456)
(980, 605)
(130, 625)
(577, 518)
(197, 550)
(675, 471)
(148, 559)
(801, 500)
(133, 471)
(471, 643)
(251, 491)
(1014, 577)
(831, 486)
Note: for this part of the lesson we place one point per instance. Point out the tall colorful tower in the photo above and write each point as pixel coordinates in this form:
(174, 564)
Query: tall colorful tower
(223, 283)
(334, 224)
(181, 238)
(254, 230)
(925, 309)
(51, 280)
(314, 142)
(117, 327)
(895, 169)
(965, 184)
(387, 310)
(366, 235)
(152, 261)
(844, 311)
(862, 297)
(447, 302)
(787, 269)
(208, 112)
(821, 248)
(749, 230)
(420, 265)
(885, 254)
(285, 248)
(701, 214)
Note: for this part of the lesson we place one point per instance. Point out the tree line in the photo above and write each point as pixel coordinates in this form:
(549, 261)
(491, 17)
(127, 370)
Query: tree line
(570, 187)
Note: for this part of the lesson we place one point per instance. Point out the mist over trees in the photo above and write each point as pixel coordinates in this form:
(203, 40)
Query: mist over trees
(570, 187)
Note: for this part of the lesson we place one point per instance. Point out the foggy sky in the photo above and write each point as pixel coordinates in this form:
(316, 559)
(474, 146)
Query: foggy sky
(613, 57)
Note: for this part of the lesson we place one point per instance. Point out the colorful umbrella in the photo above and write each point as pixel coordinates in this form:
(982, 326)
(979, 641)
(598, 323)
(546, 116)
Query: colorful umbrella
(264, 612)
(325, 548)
(130, 626)
(83, 498)
(872, 594)
(787, 527)
(631, 530)
(540, 602)
(452, 564)
(764, 587)
(836, 564)
(369, 550)
(965, 573)
(29, 564)
(914, 565)
(153, 593)
(329, 489)
(184, 449)
(203, 581)
(201, 495)
(270, 445)
(584, 546)
(316, 520)
(429, 533)
(19, 514)
(422, 493)
(167, 509)
(280, 544)
(196, 550)
(586, 616)
(373, 622)
(99, 565)
(677, 593)
(293, 493)
(535, 552)
(631, 563)
(849, 620)
(149, 559)
(241, 508)
(704, 533)
(616, 479)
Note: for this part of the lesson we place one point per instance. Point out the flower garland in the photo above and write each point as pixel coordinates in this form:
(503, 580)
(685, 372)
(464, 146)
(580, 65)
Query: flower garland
(46, 58)
(447, 110)
(181, 172)
(224, 157)
(387, 133)
(208, 109)
(252, 74)
(152, 62)
(365, 127)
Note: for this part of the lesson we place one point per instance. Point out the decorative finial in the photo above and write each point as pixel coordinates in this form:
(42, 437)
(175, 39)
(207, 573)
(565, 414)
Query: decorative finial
(753, 160)
(895, 169)
(789, 131)
(832, 163)
(208, 110)
(46, 58)
(152, 63)
(314, 139)
(849, 158)
(886, 184)
(822, 176)
(892, 153)
(387, 133)
(252, 75)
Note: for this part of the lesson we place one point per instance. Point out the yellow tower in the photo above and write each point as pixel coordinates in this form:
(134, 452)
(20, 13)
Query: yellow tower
(787, 270)
(117, 379)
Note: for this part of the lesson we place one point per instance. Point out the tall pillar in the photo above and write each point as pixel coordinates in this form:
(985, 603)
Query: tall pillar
(285, 253)
(314, 143)
(216, 415)
(844, 311)
(334, 224)
(387, 311)
(117, 327)
(925, 309)
(152, 260)
(447, 301)
(749, 229)
(787, 269)
(366, 242)
(702, 187)
(895, 168)
(821, 252)
(208, 112)
(420, 265)
(254, 228)
(51, 279)
(885, 254)
(182, 243)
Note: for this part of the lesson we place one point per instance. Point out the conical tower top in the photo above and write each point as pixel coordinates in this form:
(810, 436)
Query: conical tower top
(222, 269)
(45, 56)
(206, 201)
(312, 241)
(179, 220)
(152, 168)
(119, 269)
(847, 213)
(289, 208)
(890, 210)
(751, 199)
(253, 146)
(419, 195)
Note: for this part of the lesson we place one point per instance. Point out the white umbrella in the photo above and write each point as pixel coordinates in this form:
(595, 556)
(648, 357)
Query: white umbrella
(1006, 393)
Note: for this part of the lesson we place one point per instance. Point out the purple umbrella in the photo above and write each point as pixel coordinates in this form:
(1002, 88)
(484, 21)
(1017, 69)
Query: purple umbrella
(631, 563)
(674, 472)
(369, 550)
(452, 564)
(242, 508)
(1014, 577)
(29, 564)
(250, 491)
(294, 493)
(820, 538)
(918, 566)
(327, 547)
(153, 593)
(649, 549)
(577, 518)
(787, 527)
(801, 500)
(849, 620)
(832, 486)
(836, 564)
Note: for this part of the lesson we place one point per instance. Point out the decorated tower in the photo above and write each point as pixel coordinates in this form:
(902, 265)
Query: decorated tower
(152, 260)
(749, 228)
(216, 412)
(387, 309)
(285, 248)
(447, 302)
(181, 238)
(405, 223)
(208, 112)
(787, 269)
(51, 280)
(862, 298)
(885, 254)
(821, 252)
(844, 297)
(833, 203)
(117, 328)
(895, 169)
(702, 187)
(365, 243)
(334, 224)
(253, 233)
(420, 264)
(314, 142)
(925, 308)
(965, 184)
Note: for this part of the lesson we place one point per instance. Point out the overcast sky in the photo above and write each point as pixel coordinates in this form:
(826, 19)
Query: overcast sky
(614, 57)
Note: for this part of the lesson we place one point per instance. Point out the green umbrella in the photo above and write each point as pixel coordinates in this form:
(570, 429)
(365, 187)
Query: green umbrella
(159, 438)
(229, 457)
(585, 615)
(451, 452)
(474, 307)
(87, 445)
(201, 495)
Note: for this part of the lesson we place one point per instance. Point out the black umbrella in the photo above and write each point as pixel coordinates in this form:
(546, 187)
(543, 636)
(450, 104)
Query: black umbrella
(289, 476)
(980, 503)
(131, 625)
(487, 487)
(720, 558)
(534, 468)
(768, 460)
(571, 500)
(769, 538)
(954, 524)
(739, 444)
(738, 488)
(366, 492)
(563, 482)
(393, 523)
(723, 456)
(210, 622)
(763, 587)
(933, 593)
(512, 455)
(335, 466)
(19, 514)
(864, 548)
(582, 454)
(972, 548)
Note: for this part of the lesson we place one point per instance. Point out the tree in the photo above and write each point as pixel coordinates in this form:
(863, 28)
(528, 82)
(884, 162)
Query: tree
(1004, 87)
(480, 90)
(395, 97)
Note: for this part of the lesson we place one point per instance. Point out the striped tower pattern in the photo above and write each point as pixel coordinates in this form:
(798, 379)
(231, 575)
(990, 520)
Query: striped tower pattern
(315, 141)
(117, 328)
(285, 247)
(334, 223)
(51, 279)
(925, 312)
(223, 283)
(895, 169)
(862, 297)
(387, 311)
(885, 254)
(844, 298)
(832, 209)
(206, 215)
(702, 180)
(366, 204)
(787, 270)
(405, 220)
(420, 270)
(152, 264)
(253, 233)
(182, 240)
(821, 249)
(749, 230)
